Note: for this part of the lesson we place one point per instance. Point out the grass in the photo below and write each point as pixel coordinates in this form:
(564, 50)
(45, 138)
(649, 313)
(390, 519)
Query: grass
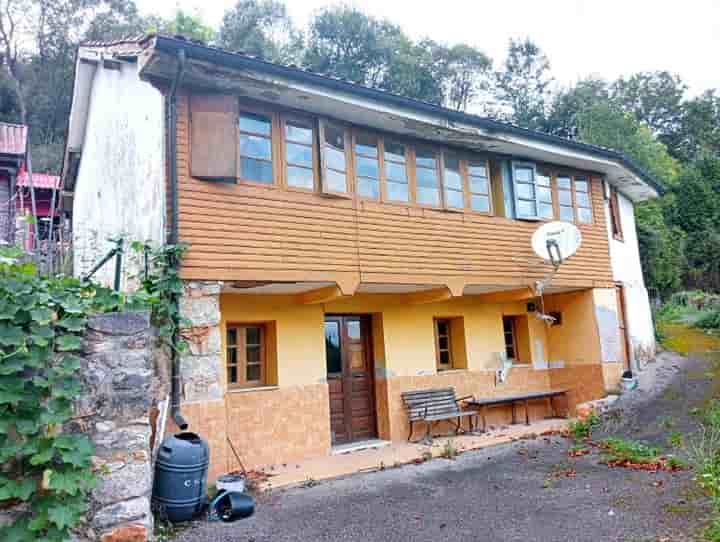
(675, 440)
(630, 451)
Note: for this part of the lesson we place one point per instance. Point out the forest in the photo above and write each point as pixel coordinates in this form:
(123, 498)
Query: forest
(648, 115)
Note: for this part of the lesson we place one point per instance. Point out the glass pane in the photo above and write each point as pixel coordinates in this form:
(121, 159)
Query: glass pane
(442, 327)
(563, 182)
(428, 196)
(443, 342)
(353, 329)
(507, 327)
(336, 181)
(252, 335)
(231, 336)
(255, 146)
(480, 203)
(253, 354)
(335, 136)
(300, 177)
(524, 174)
(544, 194)
(582, 199)
(453, 179)
(581, 184)
(525, 191)
(301, 134)
(395, 172)
(299, 154)
(510, 352)
(424, 157)
(584, 215)
(366, 144)
(565, 197)
(543, 180)
(254, 123)
(332, 347)
(546, 210)
(256, 170)
(253, 372)
(334, 158)
(454, 199)
(567, 214)
(477, 169)
(479, 185)
(368, 188)
(231, 356)
(427, 177)
(445, 357)
(394, 151)
(397, 191)
(526, 209)
(232, 375)
(368, 167)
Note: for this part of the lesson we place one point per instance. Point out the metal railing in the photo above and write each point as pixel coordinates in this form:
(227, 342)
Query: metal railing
(115, 252)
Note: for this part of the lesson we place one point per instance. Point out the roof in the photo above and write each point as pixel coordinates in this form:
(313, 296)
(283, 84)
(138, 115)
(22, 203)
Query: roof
(13, 138)
(43, 181)
(240, 60)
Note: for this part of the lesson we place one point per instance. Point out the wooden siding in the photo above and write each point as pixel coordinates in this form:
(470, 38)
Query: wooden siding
(250, 231)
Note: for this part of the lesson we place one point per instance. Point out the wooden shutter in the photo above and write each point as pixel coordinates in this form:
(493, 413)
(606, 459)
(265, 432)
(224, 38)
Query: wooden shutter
(615, 221)
(213, 140)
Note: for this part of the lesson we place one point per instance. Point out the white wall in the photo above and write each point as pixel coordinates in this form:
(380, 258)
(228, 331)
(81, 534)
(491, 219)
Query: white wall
(625, 258)
(120, 186)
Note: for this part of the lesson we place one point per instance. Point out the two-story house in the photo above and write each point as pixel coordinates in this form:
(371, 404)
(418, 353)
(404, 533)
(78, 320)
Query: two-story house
(347, 244)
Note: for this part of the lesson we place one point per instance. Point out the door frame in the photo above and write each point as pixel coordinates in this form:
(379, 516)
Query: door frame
(623, 324)
(365, 325)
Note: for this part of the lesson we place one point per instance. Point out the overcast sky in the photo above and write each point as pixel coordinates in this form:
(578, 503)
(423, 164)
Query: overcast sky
(581, 37)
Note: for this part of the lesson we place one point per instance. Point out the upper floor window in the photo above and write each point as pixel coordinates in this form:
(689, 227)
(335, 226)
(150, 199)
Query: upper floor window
(545, 195)
(427, 179)
(334, 158)
(256, 147)
(299, 161)
(453, 182)
(396, 178)
(526, 198)
(583, 200)
(367, 166)
(479, 182)
(565, 199)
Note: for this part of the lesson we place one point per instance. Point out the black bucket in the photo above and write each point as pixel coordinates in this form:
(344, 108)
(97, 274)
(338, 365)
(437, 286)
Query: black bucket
(230, 506)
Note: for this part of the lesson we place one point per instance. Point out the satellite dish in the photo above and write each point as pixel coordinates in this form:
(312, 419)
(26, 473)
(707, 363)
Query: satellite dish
(555, 242)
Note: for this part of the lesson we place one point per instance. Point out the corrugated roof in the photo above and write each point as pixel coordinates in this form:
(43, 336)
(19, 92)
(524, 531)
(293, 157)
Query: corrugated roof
(13, 138)
(43, 181)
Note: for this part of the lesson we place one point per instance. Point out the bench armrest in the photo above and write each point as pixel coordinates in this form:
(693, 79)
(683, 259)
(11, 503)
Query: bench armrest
(459, 399)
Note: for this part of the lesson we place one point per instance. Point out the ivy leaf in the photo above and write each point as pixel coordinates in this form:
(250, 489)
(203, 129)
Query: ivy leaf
(63, 515)
(27, 425)
(17, 489)
(68, 343)
(12, 365)
(79, 454)
(70, 482)
(17, 532)
(11, 335)
(45, 454)
(71, 305)
(42, 334)
(42, 315)
(72, 323)
(7, 310)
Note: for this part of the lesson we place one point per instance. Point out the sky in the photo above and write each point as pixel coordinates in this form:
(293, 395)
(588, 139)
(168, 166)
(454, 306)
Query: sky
(606, 38)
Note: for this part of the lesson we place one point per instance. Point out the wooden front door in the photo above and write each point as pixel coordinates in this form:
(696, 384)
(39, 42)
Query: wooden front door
(350, 378)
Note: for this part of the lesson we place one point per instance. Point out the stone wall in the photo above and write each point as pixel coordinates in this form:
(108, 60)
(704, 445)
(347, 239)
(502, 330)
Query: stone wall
(119, 387)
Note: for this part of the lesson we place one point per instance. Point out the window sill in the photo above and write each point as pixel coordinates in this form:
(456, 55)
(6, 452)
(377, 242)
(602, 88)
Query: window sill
(250, 390)
(448, 371)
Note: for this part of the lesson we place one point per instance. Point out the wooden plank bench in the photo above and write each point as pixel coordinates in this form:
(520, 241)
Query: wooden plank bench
(435, 405)
(481, 405)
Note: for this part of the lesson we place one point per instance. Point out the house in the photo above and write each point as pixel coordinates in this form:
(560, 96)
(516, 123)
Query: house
(13, 144)
(347, 244)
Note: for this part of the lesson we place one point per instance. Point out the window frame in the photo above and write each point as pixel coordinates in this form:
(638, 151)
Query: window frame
(259, 110)
(554, 200)
(289, 118)
(349, 165)
(515, 164)
(571, 190)
(463, 181)
(465, 164)
(242, 363)
(576, 206)
(438, 173)
(438, 365)
(385, 198)
(355, 132)
(513, 333)
(615, 215)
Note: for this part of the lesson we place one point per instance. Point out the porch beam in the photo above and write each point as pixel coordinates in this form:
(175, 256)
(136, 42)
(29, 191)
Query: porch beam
(435, 295)
(508, 296)
(321, 295)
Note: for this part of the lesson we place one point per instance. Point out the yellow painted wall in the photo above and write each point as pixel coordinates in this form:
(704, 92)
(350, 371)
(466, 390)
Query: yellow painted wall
(577, 339)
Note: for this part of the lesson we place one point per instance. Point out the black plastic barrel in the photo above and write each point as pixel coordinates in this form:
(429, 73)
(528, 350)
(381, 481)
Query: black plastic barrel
(179, 489)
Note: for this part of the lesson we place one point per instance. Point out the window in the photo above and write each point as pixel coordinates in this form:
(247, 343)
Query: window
(545, 195)
(510, 338)
(299, 165)
(334, 159)
(367, 166)
(565, 200)
(395, 171)
(443, 349)
(479, 185)
(453, 183)
(526, 200)
(583, 200)
(255, 147)
(615, 221)
(246, 355)
(427, 180)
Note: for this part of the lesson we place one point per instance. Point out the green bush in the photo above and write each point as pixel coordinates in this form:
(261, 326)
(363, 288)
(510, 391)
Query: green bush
(710, 320)
(582, 429)
(618, 449)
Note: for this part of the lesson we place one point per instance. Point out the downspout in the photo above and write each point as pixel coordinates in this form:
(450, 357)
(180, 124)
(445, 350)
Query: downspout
(175, 413)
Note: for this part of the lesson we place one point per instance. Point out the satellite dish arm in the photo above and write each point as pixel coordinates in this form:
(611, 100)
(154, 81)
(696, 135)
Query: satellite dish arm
(554, 252)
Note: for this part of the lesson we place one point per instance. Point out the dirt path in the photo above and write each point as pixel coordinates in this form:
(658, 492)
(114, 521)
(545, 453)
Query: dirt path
(526, 491)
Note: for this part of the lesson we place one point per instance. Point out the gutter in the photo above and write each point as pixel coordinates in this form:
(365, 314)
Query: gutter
(172, 152)
(238, 61)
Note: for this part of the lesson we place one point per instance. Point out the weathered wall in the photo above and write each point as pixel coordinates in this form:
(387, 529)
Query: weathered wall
(627, 269)
(117, 376)
(121, 180)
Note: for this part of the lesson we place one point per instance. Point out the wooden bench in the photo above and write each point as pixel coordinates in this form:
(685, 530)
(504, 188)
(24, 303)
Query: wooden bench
(434, 405)
(481, 405)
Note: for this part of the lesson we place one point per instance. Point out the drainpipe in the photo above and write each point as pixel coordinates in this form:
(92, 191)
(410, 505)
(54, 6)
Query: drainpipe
(172, 151)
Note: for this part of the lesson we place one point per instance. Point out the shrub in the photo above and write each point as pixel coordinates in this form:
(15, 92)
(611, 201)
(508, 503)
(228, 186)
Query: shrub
(622, 450)
(582, 429)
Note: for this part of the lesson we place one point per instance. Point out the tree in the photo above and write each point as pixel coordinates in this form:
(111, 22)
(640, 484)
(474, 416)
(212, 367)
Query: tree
(523, 86)
(562, 119)
(14, 22)
(184, 24)
(415, 72)
(262, 28)
(699, 130)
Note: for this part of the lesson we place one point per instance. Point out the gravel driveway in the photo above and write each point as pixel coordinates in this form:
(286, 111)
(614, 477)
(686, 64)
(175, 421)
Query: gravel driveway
(526, 491)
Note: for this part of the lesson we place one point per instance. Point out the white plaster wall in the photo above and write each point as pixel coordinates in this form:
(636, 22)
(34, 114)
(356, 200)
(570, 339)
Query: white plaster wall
(625, 259)
(120, 186)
